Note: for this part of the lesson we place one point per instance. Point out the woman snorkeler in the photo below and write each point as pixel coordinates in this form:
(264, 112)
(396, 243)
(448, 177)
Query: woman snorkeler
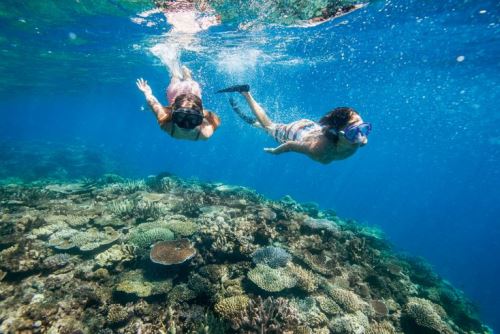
(336, 136)
(185, 117)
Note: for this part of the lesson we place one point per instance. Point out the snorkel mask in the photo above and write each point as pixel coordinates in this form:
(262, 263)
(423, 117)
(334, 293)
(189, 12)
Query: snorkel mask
(187, 118)
(355, 133)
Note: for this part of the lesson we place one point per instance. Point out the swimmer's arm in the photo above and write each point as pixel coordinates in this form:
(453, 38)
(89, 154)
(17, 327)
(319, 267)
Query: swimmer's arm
(209, 125)
(152, 101)
(289, 146)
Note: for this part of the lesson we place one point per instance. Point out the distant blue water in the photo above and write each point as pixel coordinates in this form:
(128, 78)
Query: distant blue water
(429, 177)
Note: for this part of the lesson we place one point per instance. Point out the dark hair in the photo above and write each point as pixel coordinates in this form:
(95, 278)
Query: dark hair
(189, 101)
(337, 119)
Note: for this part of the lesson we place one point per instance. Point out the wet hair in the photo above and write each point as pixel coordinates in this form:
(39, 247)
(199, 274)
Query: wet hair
(189, 101)
(337, 119)
(192, 101)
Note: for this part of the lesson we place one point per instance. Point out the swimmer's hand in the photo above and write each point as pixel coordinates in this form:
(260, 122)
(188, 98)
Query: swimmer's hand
(289, 146)
(272, 150)
(144, 87)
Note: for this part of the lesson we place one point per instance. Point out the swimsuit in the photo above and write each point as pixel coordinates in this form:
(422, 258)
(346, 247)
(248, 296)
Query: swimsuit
(295, 131)
(197, 129)
(188, 86)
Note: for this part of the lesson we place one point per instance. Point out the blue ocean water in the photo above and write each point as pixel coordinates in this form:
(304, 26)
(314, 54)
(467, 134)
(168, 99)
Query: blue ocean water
(425, 74)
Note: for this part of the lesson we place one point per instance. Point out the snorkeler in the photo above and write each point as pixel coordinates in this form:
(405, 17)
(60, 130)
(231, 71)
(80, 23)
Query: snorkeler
(336, 136)
(185, 117)
(332, 12)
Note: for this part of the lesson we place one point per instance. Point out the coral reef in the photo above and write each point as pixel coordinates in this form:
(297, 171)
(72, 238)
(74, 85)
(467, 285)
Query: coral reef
(165, 255)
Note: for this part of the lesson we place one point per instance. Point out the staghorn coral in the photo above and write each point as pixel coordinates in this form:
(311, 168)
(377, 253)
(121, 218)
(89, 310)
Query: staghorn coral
(273, 257)
(270, 279)
(172, 252)
(231, 307)
(273, 315)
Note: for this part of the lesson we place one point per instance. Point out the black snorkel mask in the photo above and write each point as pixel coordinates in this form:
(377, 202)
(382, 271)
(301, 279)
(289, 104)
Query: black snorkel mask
(187, 118)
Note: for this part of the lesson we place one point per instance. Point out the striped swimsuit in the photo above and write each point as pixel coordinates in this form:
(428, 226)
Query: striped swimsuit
(294, 131)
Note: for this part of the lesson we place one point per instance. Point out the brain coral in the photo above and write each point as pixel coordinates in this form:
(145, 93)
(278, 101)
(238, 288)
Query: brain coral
(273, 257)
(232, 306)
(172, 252)
(271, 279)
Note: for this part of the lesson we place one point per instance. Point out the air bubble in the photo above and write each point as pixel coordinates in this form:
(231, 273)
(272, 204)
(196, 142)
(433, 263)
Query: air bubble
(460, 59)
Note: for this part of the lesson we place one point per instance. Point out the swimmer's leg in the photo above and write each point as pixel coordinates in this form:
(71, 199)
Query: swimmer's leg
(258, 111)
(186, 73)
(250, 120)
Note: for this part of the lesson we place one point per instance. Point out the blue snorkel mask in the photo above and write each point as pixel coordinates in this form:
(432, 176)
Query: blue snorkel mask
(354, 133)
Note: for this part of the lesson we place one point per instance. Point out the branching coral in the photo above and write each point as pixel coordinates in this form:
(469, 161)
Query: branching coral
(273, 315)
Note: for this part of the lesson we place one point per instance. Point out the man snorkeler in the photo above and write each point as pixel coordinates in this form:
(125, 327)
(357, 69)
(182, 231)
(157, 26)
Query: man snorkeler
(336, 136)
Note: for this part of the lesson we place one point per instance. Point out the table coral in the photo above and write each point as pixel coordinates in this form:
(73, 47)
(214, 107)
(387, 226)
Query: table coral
(271, 256)
(172, 252)
(270, 279)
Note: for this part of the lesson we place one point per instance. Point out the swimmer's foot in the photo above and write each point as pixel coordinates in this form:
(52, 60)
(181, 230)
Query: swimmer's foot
(237, 88)
(186, 73)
